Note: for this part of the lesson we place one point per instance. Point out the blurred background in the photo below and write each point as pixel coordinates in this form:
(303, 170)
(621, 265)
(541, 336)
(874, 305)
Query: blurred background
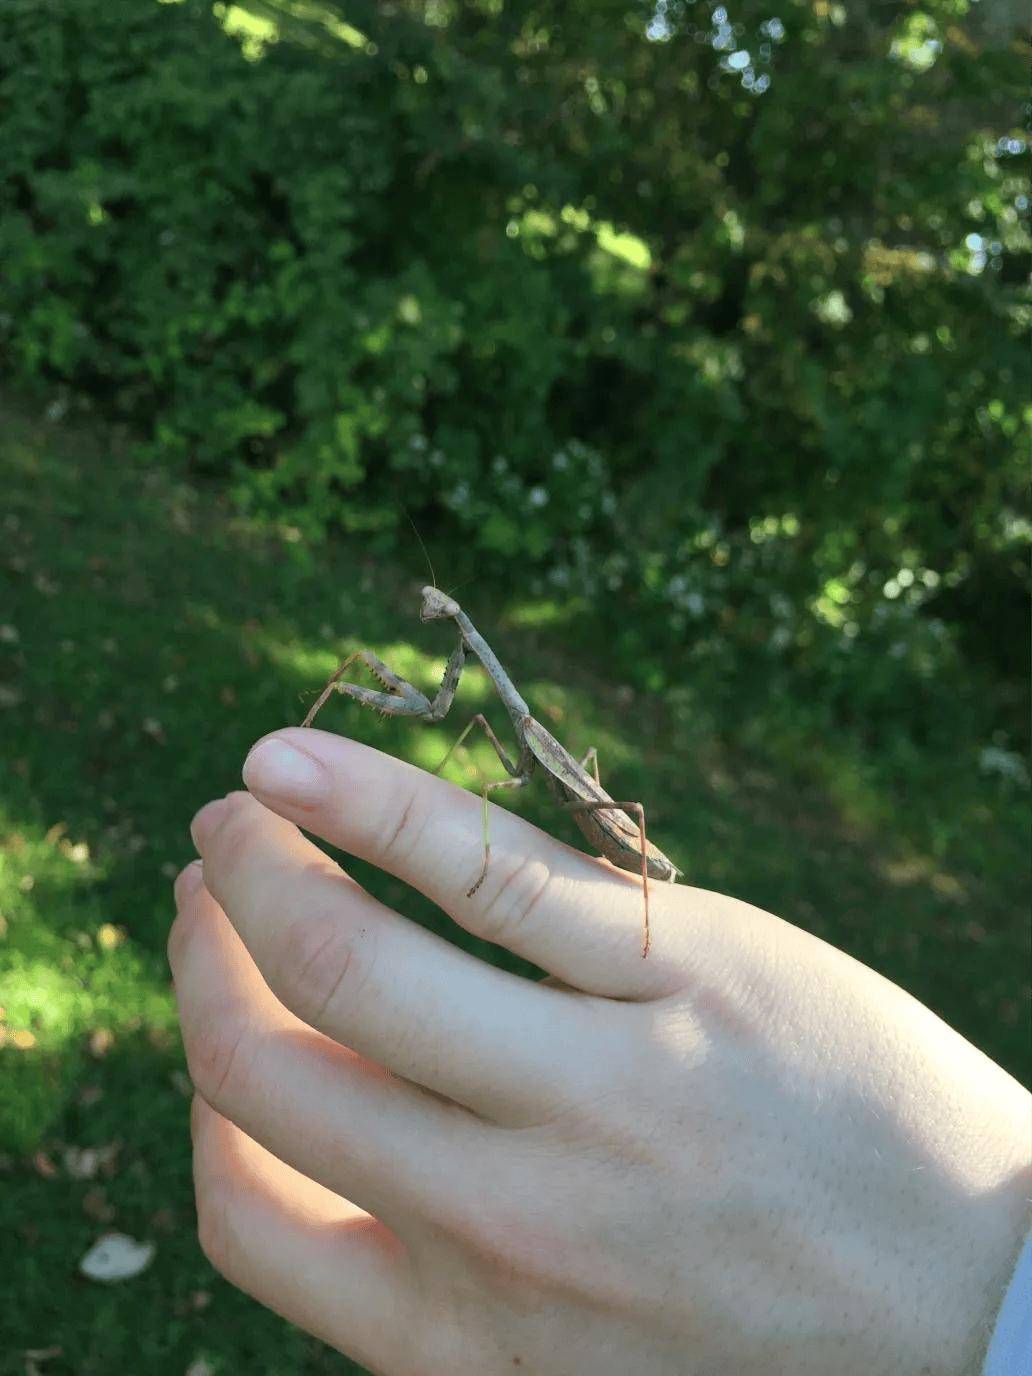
(691, 338)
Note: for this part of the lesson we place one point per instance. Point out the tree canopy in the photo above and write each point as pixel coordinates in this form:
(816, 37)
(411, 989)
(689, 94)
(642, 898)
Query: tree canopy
(717, 310)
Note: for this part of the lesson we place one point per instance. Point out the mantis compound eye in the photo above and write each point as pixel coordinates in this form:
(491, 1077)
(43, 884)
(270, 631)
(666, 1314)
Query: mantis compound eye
(436, 605)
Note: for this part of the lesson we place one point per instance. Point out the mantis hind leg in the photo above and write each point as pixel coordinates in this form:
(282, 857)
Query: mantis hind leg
(591, 758)
(638, 812)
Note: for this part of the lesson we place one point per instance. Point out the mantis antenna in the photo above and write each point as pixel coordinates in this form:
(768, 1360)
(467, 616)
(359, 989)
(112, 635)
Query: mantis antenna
(422, 546)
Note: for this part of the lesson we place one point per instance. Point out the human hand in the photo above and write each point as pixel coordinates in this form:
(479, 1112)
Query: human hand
(745, 1154)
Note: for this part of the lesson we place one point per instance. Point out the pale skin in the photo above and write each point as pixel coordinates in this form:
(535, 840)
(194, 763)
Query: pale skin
(745, 1155)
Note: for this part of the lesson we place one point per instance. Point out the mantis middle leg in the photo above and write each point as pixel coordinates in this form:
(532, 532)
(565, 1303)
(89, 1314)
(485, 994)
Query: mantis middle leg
(518, 769)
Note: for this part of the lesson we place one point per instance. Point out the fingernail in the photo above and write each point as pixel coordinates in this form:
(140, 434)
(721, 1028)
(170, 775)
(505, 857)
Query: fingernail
(275, 769)
(203, 822)
(188, 881)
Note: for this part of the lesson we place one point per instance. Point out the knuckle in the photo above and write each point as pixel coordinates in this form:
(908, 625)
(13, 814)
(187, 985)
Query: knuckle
(188, 882)
(220, 1056)
(317, 968)
(228, 838)
(518, 891)
(180, 947)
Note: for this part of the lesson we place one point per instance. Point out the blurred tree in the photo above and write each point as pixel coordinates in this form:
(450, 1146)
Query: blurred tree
(716, 309)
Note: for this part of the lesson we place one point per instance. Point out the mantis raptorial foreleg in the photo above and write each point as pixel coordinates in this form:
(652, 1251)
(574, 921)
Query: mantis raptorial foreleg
(402, 699)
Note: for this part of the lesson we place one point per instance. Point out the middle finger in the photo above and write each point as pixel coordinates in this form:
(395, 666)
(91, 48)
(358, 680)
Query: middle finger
(347, 965)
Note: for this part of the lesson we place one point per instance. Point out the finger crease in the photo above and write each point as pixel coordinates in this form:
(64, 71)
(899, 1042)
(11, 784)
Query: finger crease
(312, 963)
(513, 877)
(403, 823)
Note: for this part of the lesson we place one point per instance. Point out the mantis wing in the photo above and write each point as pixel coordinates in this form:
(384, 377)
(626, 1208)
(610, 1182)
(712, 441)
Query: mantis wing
(573, 783)
(614, 831)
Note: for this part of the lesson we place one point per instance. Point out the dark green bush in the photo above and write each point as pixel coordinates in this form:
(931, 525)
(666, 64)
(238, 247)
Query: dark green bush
(715, 314)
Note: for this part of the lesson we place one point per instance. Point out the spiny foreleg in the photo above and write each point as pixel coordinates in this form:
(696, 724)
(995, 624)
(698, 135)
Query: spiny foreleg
(399, 698)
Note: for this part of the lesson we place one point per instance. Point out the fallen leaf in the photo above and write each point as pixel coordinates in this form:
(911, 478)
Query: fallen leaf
(102, 1039)
(90, 1095)
(153, 728)
(115, 1257)
(182, 1082)
(23, 1039)
(44, 1166)
(83, 1163)
(95, 1205)
(34, 1355)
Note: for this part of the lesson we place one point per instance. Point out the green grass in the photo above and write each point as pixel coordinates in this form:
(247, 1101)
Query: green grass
(147, 637)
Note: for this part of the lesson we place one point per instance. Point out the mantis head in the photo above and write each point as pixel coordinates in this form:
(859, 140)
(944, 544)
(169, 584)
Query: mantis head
(437, 605)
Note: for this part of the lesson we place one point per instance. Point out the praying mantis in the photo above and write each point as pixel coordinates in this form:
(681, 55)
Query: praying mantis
(615, 828)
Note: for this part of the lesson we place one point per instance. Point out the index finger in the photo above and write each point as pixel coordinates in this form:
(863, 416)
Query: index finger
(569, 913)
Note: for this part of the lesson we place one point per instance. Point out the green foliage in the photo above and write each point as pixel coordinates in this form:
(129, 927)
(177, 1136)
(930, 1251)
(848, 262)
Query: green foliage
(713, 313)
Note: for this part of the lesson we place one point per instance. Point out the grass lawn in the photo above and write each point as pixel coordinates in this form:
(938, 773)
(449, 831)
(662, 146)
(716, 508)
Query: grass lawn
(147, 637)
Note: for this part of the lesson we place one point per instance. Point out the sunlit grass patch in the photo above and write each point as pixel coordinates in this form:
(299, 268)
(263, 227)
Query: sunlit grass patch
(543, 613)
(70, 981)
